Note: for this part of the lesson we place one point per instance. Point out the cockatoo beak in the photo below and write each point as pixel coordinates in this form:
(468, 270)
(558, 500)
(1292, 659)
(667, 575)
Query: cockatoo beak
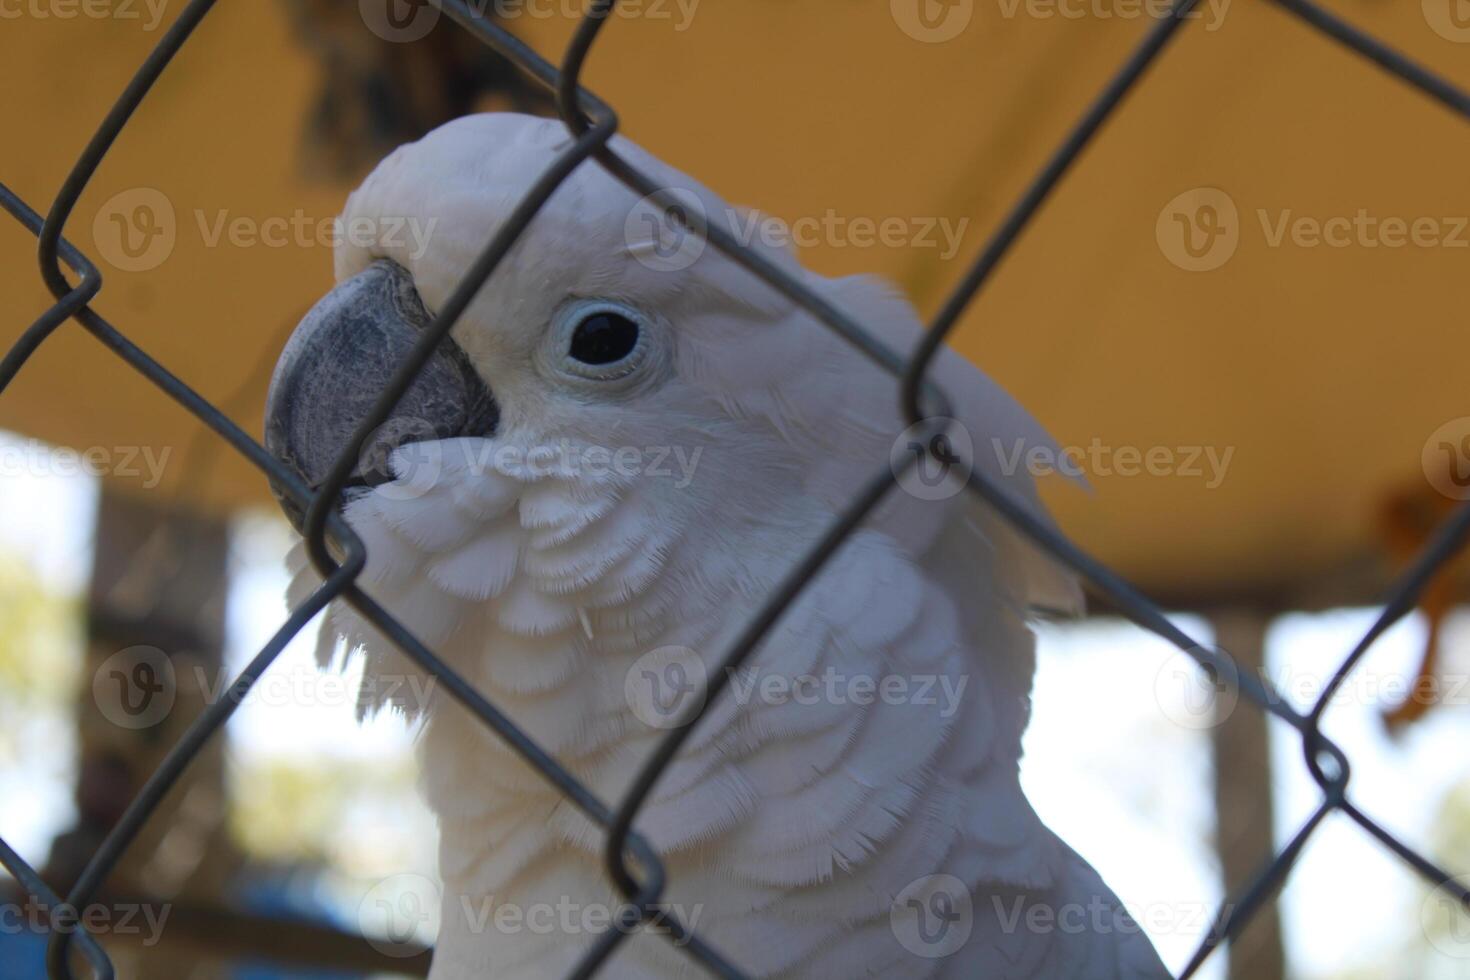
(338, 361)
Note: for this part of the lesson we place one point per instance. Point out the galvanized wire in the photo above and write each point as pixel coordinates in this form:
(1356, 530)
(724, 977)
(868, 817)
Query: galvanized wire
(592, 122)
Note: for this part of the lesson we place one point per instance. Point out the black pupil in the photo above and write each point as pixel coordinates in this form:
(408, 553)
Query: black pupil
(604, 338)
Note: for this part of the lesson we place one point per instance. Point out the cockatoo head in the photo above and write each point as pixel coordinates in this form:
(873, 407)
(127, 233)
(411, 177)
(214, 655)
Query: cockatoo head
(607, 336)
(615, 401)
(623, 419)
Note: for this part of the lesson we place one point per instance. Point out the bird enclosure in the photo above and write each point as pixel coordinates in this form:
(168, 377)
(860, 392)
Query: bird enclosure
(74, 279)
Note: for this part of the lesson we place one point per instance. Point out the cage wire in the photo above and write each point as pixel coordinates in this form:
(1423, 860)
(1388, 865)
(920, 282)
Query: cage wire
(339, 554)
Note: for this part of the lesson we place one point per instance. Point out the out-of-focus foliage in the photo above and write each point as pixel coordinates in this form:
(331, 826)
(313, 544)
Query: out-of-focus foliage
(38, 642)
(1452, 831)
(40, 670)
(332, 812)
(1447, 927)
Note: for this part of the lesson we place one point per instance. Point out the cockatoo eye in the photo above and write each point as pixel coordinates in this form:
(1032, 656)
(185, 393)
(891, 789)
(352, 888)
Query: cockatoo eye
(601, 340)
(604, 337)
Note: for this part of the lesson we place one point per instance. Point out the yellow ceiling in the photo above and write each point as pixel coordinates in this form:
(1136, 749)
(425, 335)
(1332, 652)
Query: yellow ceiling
(1322, 370)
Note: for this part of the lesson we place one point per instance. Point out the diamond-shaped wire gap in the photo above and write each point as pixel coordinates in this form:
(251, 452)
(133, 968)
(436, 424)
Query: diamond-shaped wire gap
(1235, 914)
(1448, 540)
(112, 124)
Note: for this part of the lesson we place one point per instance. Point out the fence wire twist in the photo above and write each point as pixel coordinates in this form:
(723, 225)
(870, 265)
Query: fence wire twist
(592, 122)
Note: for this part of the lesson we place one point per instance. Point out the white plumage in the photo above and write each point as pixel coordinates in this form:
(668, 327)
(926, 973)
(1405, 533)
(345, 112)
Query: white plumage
(791, 828)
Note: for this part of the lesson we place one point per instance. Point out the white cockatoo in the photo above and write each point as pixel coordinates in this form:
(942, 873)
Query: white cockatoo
(629, 442)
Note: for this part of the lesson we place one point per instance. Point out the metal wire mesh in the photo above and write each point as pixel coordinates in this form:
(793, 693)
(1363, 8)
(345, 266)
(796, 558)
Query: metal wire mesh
(592, 122)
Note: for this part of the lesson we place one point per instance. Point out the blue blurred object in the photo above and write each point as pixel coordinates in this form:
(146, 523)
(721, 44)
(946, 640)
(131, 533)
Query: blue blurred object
(22, 952)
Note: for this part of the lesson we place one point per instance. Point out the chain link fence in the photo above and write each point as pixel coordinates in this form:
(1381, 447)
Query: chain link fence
(339, 555)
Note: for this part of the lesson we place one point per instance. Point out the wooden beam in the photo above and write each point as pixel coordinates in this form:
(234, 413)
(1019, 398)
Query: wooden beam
(1243, 798)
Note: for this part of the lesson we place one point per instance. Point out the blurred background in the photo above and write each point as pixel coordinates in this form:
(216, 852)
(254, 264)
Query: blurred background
(1242, 314)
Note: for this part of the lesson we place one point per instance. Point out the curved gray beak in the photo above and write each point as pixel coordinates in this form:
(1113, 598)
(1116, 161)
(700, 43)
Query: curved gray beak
(339, 360)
